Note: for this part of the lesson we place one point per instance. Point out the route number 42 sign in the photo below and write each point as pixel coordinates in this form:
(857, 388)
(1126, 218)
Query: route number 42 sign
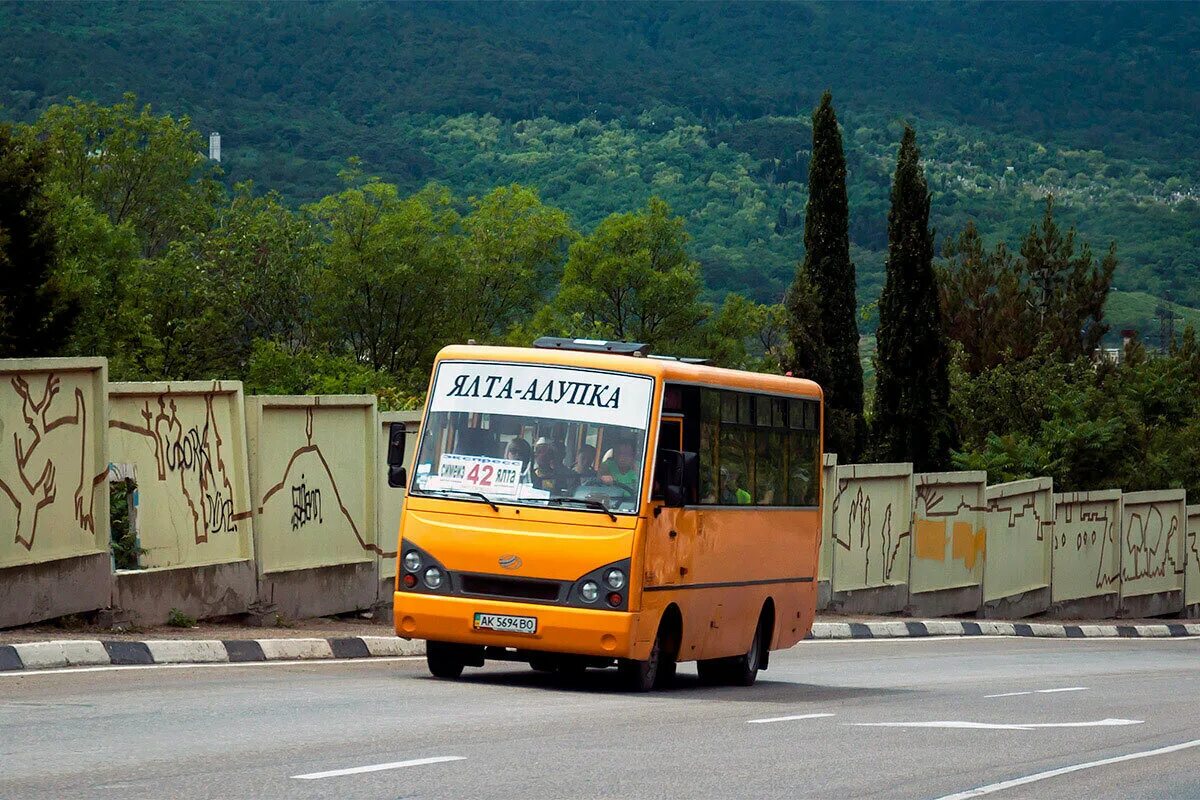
(492, 476)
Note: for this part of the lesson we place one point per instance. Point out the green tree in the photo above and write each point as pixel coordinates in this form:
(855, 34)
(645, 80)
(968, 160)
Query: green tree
(251, 276)
(1068, 289)
(911, 420)
(390, 292)
(512, 255)
(828, 267)
(985, 304)
(35, 317)
(743, 334)
(631, 279)
(147, 171)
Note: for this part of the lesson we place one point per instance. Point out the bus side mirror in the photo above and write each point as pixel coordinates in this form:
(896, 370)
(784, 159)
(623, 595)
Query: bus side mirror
(679, 475)
(397, 475)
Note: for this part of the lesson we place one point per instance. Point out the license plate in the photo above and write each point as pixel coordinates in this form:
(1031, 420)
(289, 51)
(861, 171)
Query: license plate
(505, 623)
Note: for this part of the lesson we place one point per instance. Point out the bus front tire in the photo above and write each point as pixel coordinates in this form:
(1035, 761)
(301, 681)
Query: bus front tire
(658, 670)
(444, 660)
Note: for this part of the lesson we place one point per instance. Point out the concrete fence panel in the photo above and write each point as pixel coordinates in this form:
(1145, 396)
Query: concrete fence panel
(948, 542)
(1191, 578)
(314, 475)
(1086, 574)
(825, 555)
(872, 515)
(184, 443)
(53, 488)
(1016, 568)
(1154, 530)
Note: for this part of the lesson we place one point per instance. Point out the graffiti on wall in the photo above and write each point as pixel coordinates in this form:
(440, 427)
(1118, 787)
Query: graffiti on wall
(308, 505)
(1150, 540)
(39, 476)
(1086, 541)
(192, 456)
(939, 508)
(871, 529)
(1020, 530)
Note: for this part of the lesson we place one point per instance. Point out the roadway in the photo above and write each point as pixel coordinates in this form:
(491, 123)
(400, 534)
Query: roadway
(909, 718)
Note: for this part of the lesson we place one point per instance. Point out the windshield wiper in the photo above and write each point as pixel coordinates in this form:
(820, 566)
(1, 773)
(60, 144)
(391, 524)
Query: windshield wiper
(480, 495)
(583, 501)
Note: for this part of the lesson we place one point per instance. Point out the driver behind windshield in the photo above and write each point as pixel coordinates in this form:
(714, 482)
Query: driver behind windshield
(549, 472)
(621, 468)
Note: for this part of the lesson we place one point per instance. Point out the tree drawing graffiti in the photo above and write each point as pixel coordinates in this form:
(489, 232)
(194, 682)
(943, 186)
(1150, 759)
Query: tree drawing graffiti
(39, 475)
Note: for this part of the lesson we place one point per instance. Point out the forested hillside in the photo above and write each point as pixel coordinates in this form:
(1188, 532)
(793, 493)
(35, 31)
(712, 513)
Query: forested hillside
(600, 106)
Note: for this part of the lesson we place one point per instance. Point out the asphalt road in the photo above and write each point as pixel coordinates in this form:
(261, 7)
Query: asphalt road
(884, 719)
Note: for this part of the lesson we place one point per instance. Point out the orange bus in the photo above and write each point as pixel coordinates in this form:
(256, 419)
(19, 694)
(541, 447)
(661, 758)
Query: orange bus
(587, 504)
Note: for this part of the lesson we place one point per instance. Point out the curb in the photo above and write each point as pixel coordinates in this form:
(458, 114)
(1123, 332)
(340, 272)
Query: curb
(916, 629)
(103, 653)
(31, 656)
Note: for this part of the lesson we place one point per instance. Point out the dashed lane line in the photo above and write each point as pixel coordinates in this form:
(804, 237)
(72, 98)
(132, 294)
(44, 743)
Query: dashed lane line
(1039, 691)
(338, 773)
(1000, 726)
(992, 788)
(787, 719)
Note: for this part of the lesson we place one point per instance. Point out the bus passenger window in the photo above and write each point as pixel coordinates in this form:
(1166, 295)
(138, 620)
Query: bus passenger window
(736, 470)
(770, 488)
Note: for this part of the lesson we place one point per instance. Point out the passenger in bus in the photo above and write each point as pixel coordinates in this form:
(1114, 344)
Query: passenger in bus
(732, 493)
(549, 472)
(620, 468)
(519, 450)
(585, 462)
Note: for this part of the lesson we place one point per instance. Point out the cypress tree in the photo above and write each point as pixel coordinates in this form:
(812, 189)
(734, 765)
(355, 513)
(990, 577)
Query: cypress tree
(35, 320)
(912, 394)
(828, 274)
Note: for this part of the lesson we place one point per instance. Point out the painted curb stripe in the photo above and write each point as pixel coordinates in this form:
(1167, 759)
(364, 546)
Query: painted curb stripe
(860, 631)
(351, 647)
(128, 652)
(9, 658)
(123, 653)
(243, 650)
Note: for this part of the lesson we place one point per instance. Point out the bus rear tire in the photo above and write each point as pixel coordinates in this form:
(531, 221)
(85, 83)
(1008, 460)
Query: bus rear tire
(444, 660)
(736, 670)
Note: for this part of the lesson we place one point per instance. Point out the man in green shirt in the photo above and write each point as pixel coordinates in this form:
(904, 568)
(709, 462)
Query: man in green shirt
(620, 468)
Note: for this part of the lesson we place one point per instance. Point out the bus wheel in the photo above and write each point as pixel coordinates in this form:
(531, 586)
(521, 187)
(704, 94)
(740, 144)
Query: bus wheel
(444, 660)
(737, 670)
(640, 676)
(543, 664)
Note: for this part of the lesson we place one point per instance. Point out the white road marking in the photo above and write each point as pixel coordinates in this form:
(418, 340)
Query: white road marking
(1039, 691)
(30, 673)
(999, 726)
(1054, 773)
(337, 773)
(787, 719)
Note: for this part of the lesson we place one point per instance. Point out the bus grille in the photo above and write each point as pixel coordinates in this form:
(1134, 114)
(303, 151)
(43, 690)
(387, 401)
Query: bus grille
(516, 588)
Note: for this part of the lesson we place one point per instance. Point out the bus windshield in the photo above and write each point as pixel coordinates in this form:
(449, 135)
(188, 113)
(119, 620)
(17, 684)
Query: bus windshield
(534, 434)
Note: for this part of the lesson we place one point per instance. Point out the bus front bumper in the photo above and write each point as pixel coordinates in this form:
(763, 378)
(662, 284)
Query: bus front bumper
(578, 631)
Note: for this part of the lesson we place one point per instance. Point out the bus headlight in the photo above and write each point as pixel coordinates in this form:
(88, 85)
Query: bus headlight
(433, 577)
(412, 561)
(615, 579)
(589, 591)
